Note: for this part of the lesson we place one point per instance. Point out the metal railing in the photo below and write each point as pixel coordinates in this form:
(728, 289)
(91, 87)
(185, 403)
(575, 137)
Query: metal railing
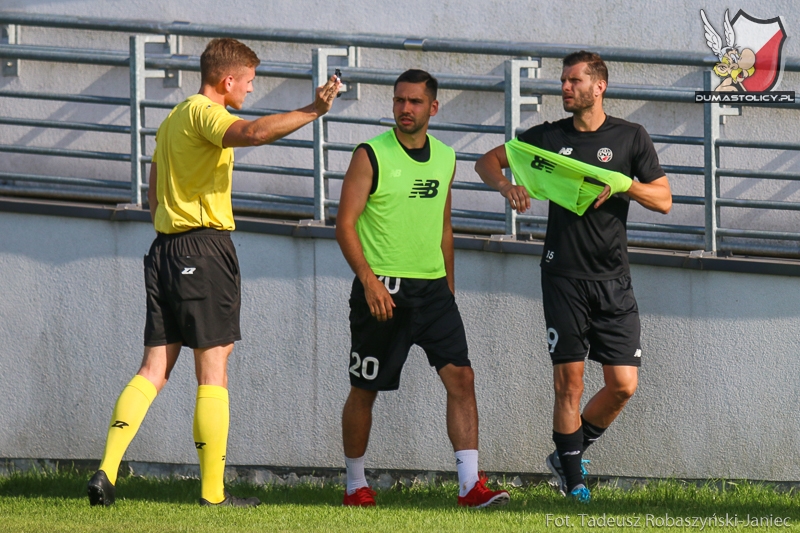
(521, 86)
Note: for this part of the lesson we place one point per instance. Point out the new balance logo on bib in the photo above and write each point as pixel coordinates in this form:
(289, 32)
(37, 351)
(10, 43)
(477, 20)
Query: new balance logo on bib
(424, 189)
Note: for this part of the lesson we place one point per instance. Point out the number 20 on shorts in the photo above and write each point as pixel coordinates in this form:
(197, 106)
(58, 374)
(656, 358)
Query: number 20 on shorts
(366, 369)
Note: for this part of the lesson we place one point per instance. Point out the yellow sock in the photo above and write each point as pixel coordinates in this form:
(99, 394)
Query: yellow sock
(132, 405)
(211, 422)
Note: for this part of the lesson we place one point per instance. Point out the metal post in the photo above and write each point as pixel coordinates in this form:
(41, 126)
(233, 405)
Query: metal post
(9, 34)
(515, 103)
(352, 90)
(319, 75)
(137, 87)
(172, 46)
(713, 114)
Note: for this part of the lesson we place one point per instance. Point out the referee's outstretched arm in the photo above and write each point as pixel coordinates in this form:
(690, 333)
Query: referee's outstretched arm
(270, 128)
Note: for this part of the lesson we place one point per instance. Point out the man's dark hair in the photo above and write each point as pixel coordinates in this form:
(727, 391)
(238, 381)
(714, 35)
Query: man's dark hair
(595, 66)
(223, 57)
(420, 76)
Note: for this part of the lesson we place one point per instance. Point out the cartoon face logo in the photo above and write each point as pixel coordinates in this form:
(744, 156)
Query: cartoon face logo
(735, 64)
(751, 59)
(605, 155)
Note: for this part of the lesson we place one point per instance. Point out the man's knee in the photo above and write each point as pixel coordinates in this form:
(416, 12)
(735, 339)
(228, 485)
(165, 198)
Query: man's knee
(571, 392)
(211, 365)
(621, 382)
(624, 391)
(568, 381)
(568, 385)
(360, 399)
(458, 380)
(158, 379)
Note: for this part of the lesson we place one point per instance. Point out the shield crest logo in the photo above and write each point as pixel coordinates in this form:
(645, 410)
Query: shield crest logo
(605, 155)
(765, 38)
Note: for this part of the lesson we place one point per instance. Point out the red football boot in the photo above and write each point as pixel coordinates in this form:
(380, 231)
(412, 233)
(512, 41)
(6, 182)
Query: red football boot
(362, 497)
(480, 496)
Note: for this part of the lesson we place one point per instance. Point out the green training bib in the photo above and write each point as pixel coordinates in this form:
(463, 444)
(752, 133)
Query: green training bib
(550, 176)
(401, 226)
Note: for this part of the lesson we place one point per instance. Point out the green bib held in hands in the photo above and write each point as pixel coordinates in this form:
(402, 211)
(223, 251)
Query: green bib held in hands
(568, 182)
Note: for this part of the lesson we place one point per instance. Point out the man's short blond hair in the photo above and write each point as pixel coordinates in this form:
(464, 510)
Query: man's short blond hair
(223, 57)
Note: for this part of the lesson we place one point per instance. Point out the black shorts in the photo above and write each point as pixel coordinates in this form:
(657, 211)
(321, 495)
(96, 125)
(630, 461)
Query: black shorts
(193, 289)
(600, 318)
(426, 315)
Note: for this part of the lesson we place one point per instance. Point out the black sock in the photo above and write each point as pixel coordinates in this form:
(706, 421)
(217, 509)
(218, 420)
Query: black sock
(570, 452)
(590, 433)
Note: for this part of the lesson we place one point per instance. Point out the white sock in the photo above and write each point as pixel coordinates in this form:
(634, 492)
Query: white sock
(467, 465)
(355, 474)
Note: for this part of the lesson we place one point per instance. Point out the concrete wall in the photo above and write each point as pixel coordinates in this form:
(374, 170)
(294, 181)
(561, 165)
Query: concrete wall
(673, 25)
(717, 397)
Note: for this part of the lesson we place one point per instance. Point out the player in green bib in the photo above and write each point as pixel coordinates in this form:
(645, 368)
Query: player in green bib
(393, 227)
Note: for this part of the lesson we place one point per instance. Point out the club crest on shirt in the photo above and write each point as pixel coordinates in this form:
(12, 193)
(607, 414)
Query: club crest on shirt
(605, 155)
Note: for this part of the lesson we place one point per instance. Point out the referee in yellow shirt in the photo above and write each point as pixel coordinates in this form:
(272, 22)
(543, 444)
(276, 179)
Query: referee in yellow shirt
(191, 272)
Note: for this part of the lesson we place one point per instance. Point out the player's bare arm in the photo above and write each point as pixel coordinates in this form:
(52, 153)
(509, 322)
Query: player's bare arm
(655, 196)
(273, 127)
(355, 192)
(447, 241)
(490, 169)
(152, 196)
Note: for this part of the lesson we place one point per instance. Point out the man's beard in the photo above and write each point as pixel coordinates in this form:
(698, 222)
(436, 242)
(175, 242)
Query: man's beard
(580, 101)
(409, 129)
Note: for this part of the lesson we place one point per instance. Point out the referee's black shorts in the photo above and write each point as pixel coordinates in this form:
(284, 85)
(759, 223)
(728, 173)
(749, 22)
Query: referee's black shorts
(595, 318)
(193, 289)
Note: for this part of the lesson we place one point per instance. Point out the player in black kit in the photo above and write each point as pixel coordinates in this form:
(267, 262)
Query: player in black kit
(587, 296)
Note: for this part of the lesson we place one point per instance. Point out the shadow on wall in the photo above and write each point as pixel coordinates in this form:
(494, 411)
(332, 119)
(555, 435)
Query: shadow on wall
(681, 117)
(113, 83)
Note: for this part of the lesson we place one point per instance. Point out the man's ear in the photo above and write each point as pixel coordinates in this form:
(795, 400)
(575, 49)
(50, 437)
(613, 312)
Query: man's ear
(226, 83)
(601, 87)
(434, 107)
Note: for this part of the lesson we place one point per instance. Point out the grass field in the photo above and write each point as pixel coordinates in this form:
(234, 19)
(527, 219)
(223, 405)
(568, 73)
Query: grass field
(56, 502)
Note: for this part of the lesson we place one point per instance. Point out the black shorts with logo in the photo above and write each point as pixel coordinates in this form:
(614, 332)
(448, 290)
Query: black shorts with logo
(600, 318)
(193, 289)
(426, 315)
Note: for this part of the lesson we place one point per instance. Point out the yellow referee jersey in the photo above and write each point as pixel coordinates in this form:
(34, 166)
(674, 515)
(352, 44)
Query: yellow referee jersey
(194, 170)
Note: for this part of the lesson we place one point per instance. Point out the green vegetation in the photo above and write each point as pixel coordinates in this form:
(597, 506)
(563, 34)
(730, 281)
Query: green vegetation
(56, 502)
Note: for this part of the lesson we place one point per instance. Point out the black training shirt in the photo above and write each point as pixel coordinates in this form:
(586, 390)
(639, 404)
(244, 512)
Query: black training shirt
(594, 246)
